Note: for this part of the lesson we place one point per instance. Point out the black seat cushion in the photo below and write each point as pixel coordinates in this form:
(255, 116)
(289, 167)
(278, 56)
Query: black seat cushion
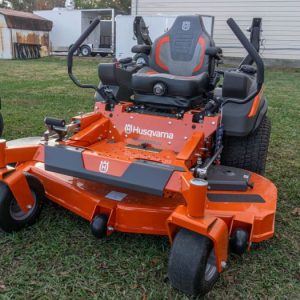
(183, 86)
(167, 102)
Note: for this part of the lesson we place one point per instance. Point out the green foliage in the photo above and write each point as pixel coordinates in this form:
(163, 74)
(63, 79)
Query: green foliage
(31, 5)
(26, 5)
(121, 5)
(5, 4)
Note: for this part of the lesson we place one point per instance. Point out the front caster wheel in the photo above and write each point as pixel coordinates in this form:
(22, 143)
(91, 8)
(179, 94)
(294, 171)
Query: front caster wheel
(239, 241)
(99, 226)
(12, 218)
(192, 264)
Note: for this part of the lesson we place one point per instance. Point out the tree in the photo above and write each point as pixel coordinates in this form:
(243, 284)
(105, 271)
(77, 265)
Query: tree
(5, 4)
(120, 5)
(31, 5)
(123, 6)
(48, 4)
(25, 5)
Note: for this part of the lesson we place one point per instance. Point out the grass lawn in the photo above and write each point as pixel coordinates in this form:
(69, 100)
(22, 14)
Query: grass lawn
(59, 258)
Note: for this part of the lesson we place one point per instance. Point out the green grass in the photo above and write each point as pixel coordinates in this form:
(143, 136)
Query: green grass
(59, 258)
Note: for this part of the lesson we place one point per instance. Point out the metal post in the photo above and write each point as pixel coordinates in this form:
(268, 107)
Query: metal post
(113, 33)
(197, 197)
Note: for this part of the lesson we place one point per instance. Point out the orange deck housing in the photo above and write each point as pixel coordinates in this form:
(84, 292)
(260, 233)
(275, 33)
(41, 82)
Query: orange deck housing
(121, 138)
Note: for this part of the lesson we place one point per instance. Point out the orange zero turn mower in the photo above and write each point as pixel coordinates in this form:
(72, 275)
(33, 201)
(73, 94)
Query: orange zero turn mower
(166, 151)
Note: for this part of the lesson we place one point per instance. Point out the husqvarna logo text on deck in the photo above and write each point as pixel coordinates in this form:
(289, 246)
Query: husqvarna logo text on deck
(129, 128)
(104, 165)
(186, 25)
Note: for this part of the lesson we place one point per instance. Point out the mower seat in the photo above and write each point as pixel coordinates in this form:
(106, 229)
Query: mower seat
(178, 71)
(184, 86)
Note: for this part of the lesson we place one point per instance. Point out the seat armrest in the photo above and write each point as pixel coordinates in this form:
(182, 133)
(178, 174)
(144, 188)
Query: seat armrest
(145, 49)
(107, 73)
(214, 52)
(125, 61)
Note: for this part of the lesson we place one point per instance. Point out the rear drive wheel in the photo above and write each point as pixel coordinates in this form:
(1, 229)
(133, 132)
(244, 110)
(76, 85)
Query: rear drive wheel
(249, 152)
(192, 263)
(12, 218)
(85, 50)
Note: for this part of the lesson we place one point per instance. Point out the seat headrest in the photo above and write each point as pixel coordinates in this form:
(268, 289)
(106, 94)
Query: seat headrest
(188, 25)
(181, 50)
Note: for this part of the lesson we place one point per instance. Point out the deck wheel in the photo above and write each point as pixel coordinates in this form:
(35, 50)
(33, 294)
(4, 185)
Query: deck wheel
(192, 263)
(12, 218)
(99, 226)
(239, 241)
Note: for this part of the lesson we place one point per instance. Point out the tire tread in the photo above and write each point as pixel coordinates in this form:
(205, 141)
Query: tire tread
(250, 152)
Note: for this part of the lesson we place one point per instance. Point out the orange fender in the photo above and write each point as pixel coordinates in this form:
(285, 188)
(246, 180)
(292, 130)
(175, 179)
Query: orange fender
(20, 189)
(212, 227)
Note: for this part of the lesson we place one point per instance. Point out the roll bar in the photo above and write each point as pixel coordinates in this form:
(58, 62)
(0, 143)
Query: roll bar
(251, 51)
(256, 58)
(76, 45)
(255, 39)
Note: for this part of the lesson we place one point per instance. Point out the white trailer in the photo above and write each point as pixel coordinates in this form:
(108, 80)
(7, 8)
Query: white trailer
(68, 24)
(157, 25)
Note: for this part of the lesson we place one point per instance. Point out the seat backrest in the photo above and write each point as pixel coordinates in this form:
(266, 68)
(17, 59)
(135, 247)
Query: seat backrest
(181, 50)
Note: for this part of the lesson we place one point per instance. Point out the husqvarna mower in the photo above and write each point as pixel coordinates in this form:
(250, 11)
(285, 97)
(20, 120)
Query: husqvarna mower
(168, 150)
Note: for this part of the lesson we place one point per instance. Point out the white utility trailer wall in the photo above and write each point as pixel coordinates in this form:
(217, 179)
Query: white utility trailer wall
(68, 24)
(157, 25)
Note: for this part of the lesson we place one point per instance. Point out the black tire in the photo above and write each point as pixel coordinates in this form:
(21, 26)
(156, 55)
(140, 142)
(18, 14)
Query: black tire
(249, 152)
(1, 124)
(11, 216)
(239, 241)
(76, 53)
(99, 226)
(94, 54)
(85, 50)
(103, 54)
(192, 268)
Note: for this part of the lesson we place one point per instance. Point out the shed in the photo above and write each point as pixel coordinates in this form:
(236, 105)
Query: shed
(23, 35)
(281, 22)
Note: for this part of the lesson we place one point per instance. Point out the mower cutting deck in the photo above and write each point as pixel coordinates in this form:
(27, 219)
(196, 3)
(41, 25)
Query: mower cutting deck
(151, 164)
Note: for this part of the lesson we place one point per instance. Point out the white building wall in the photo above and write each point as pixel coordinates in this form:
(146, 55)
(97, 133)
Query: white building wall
(281, 21)
(5, 40)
